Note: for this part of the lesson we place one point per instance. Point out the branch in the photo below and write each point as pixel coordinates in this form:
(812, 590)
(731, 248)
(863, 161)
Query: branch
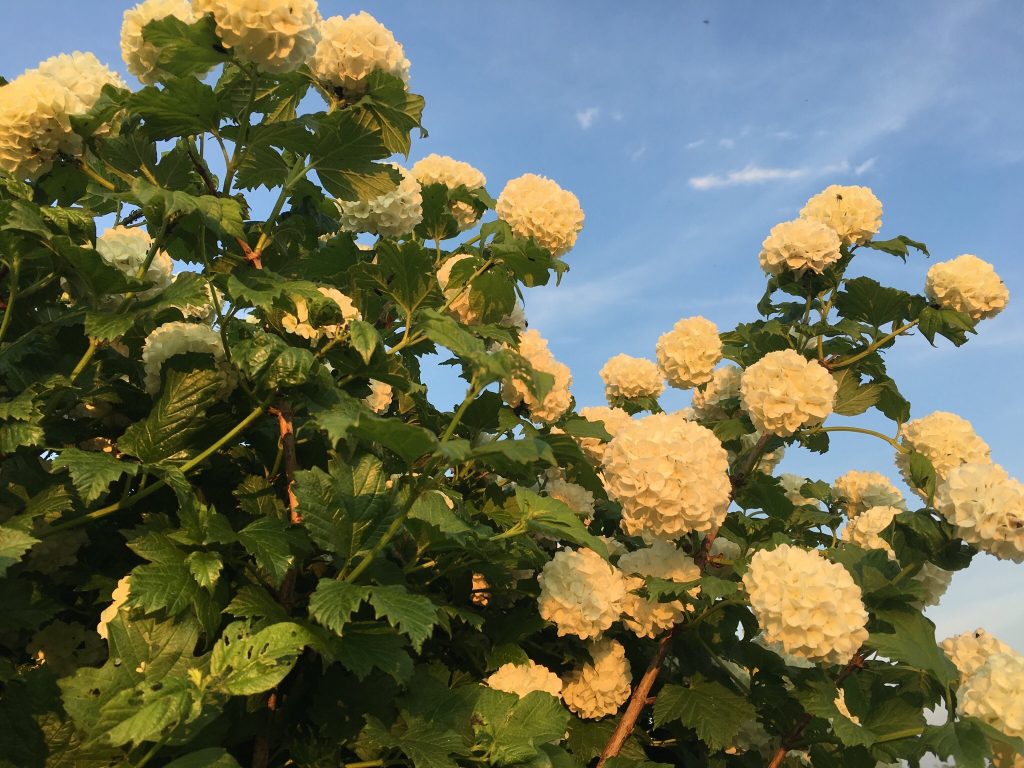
(285, 424)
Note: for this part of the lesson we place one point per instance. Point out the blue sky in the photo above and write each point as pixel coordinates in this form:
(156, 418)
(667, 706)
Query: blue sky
(688, 130)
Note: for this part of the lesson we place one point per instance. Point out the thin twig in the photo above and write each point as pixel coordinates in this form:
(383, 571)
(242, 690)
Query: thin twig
(286, 427)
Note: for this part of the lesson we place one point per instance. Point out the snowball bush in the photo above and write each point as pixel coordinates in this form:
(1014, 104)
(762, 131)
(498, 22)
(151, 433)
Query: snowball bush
(140, 57)
(352, 48)
(853, 213)
(580, 593)
(536, 207)
(986, 506)
(969, 285)
(799, 245)
(522, 679)
(277, 36)
(627, 377)
(689, 352)
(601, 687)
(784, 391)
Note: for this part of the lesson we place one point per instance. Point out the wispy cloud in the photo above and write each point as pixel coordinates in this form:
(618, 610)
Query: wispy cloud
(586, 117)
(635, 152)
(695, 144)
(752, 174)
(727, 143)
(864, 167)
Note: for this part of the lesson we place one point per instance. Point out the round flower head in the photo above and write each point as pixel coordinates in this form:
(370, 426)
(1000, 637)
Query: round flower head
(523, 679)
(807, 605)
(946, 439)
(118, 598)
(986, 506)
(995, 694)
(534, 348)
(139, 56)
(392, 214)
(535, 206)
(935, 581)
(649, 618)
(968, 651)
(126, 248)
(792, 484)
(34, 126)
(669, 474)
(277, 36)
(460, 307)
(864, 530)
(967, 284)
(83, 76)
(784, 391)
(612, 418)
(379, 399)
(576, 497)
(853, 213)
(439, 169)
(724, 385)
(299, 322)
(799, 245)
(859, 491)
(689, 352)
(580, 593)
(627, 377)
(351, 49)
(598, 689)
(178, 338)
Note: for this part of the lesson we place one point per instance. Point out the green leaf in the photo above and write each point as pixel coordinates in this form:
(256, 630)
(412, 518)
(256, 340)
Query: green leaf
(948, 323)
(243, 663)
(364, 339)
(163, 586)
(214, 757)
(868, 301)
(922, 473)
(413, 615)
(183, 107)
(432, 508)
(912, 641)
(185, 49)
(344, 156)
(513, 729)
(553, 518)
(13, 545)
(251, 602)
(92, 472)
(962, 741)
(897, 246)
(711, 709)
(15, 434)
(150, 711)
(429, 746)
(365, 648)
(221, 214)
(205, 568)
(389, 108)
(333, 603)
(352, 417)
(268, 540)
(818, 698)
(852, 397)
(271, 363)
(509, 456)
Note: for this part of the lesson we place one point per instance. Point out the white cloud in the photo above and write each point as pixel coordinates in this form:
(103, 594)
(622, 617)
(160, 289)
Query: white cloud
(636, 152)
(586, 117)
(727, 143)
(864, 167)
(752, 174)
(695, 144)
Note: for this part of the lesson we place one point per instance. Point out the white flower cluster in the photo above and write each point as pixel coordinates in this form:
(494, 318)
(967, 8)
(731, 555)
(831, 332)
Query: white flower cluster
(807, 605)
(967, 284)
(986, 506)
(178, 338)
(440, 169)
(853, 213)
(627, 377)
(576, 497)
(612, 418)
(799, 245)
(534, 348)
(353, 48)
(139, 56)
(994, 693)
(393, 214)
(689, 352)
(598, 689)
(523, 679)
(580, 593)
(379, 399)
(784, 391)
(535, 206)
(83, 76)
(649, 618)
(792, 484)
(669, 474)
(458, 295)
(277, 36)
(299, 322)
(859, 491)
(118, 598)
(724, 385)
(935, 582)
(968, 651)
(126, 248)
(947, 440)
(864, 530)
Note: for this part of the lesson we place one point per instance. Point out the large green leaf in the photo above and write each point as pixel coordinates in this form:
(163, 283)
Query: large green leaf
(13, 546)
(185, 49)
(269, 540)
(333, 602)
(553, 518)
(182, 107)
(711, 709)
(344, 156)
(92, 472)
(221, 214)
(912, 641)
(244, 663)
(513, 729)
(413, 615)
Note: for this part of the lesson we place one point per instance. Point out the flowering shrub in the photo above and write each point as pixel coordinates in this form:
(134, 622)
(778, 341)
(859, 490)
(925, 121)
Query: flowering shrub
(239, 527)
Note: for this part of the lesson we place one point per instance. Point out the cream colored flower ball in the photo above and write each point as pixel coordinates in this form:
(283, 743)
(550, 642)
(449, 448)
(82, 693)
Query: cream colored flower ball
(649, 618)
(809, 606)
(535, 206)
(612, 418)
(277, 36)
(126, 248)
(34, 125)
(724, 385)
(935, 581)
(792, 484)
(689, 352)
(83, 76)
(393, 214)
(864, 530)
(523, 679)
(799, 245)
(598, 689)
(380, 397)
(351, 49)
(986, 506)
(576, 497)
(534, 348)
(995, 694)
(969, 285)
(670, 475)
(946, 439)
(440, 169)
(968, 651)
(784, 391)
(854, 213)
(858, 491)
(629, 377)
(580, 593)
(300, 325)
(118, 598)
(139, 56)
(178, 338)
(458, 295)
